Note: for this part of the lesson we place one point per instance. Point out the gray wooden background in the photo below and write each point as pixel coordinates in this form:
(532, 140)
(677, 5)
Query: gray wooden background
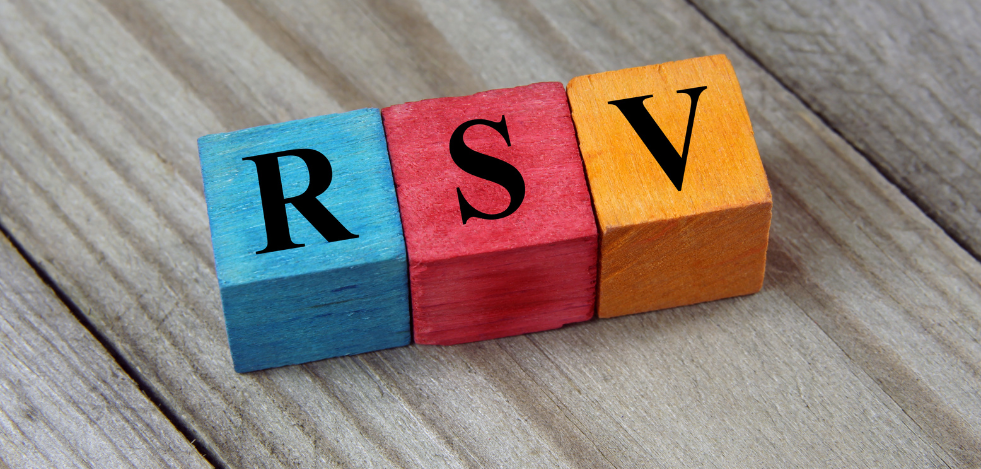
(862, 350)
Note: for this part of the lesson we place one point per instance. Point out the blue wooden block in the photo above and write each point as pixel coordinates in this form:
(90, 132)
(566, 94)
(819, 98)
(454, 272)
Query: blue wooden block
(286, 304)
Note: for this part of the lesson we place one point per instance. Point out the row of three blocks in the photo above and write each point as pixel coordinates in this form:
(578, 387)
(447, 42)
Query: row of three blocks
(478, 212)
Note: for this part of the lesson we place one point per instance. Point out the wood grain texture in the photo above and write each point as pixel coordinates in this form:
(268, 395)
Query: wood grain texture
(682, 224)
(309, 252)
(861, 349)
(64, 401)
(524, 258)
(899, 80)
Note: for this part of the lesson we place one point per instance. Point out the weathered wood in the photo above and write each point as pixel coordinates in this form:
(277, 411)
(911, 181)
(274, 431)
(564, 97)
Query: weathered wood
(861, 349)
(64, 401)
(898, 79)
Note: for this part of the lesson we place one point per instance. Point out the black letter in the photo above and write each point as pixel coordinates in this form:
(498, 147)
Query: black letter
(486, 167)
(658, 144)
(274, 203)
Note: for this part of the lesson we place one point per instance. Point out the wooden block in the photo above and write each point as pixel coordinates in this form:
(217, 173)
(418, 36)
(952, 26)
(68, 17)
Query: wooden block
(681, 198)
(308, 246)
(498, 223)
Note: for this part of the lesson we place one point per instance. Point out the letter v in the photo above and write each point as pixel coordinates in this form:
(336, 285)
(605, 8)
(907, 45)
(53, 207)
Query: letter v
(657, 143)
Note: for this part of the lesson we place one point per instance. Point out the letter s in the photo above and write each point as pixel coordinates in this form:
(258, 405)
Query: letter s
(486, 167)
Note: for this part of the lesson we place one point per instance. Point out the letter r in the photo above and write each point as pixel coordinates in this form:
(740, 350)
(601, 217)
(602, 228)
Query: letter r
(274, 201)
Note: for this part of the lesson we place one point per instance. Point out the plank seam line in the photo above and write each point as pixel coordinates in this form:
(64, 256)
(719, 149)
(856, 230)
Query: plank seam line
(919, 203)
(879, 169)
(116, 355)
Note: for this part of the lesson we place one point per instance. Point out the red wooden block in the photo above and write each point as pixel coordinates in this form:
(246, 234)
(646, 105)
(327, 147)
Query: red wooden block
(508, 271)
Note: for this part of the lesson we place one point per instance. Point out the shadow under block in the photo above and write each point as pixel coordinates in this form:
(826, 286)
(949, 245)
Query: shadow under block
(327, 298)
(675, 228)
(531, 269)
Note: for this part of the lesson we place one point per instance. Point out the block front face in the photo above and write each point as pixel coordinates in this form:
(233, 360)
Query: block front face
(285, 303)
(676, 227)
(515, 168)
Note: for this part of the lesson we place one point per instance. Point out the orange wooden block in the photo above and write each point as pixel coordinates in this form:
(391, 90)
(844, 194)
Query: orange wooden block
(678, 186)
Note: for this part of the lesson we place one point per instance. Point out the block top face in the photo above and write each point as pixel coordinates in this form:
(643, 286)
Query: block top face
(629, 185)
(541, 145)
(360, 196)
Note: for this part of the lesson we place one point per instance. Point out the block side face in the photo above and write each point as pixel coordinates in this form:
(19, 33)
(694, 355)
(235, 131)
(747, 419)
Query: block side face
(487, 296)
(326, 314)
(543, 148)
(360, 196)
(688, 260)
(629, 186)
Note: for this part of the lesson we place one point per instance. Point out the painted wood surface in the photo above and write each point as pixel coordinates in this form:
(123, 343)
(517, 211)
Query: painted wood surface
(680, 193)
(899, 80)
(64, 401)
(861, 349)
(308, 244)
(524, 259)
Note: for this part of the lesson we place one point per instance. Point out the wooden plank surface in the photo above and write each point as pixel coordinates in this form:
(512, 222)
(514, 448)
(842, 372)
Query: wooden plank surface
(861, 350)
(64, 401)
(898, 79)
